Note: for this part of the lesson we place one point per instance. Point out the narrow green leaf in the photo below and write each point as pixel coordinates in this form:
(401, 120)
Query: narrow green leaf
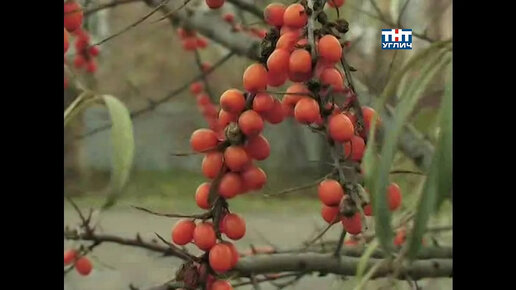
(379, 179)
(82, 101)
(362, 264)
(123, 147)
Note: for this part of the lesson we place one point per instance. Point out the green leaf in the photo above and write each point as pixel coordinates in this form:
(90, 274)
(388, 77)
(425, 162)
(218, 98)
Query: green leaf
(362, 264)
(123, 147)
(378, 179)
(82, 101)
(439, 181)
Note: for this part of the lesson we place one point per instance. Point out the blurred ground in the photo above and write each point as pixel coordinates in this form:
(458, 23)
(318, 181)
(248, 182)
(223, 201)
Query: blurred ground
(284, 223)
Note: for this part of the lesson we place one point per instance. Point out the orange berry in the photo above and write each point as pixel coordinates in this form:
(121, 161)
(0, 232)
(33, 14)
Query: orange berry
(275, 79)
(214, 4)
(394, 196)
(354, 148)
(287, 41)
(335, 3)
(321, 65)
(400, 237)
(235, 256)
(275, 115)
(255, 78)
(212, 164)
(295, 16)
(230, 185)
(236, 157)
(258, 147)
(66, 40)
(368, 210)
(278, 61)
(229, 17)
(225, 118)
(307, 111)
(352, 225)
(262, 102)
(253, 178)
(273, 14)
(202, 42)
(232, 101)
(189, 43)
(196, 88)
(69, 256)
(221, 285)
(72, 15)
(201, 195)
(183, 232)
(204, 236)
(300, 61)
(341, 128)
(203, 139)
(330, 192)
(234, 226)
(293, 94)
(83, 266)
(330, 213)
(368, 114)
(250, 123)
(220, 258)
(329, 48)
(332, 77)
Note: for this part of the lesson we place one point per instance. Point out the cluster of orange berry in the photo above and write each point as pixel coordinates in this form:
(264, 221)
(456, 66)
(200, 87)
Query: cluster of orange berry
(73, 18)
(82, 264)
(190, 41)
(237, 27)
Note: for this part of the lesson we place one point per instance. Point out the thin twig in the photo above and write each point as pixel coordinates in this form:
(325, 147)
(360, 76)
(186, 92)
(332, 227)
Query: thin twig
(174, 215)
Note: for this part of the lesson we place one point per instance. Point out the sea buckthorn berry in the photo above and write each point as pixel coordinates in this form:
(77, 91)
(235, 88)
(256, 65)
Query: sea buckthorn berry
(221, 285)
(351, 117)
(307, 111)
(255, 78)
(202, 42)
(189, 43)
(235, 256)
(287, 41)
(293, 94)
(330, 213)
(201, 195)
(394, 196)
(332, 77)
(236, 158)
(83, 266)
(253, 178)
(212, 164)
(203, 140)
(220, 258)
(275, 115)
(335, 3)
(278, 61)
(225, 118)
(230, 185)
(300, 61)
(354, 148)
(262, 102)
(330, 192)
(69, 256)
(341, 128)
(204, 236)
(66, 40)
(214, 4)
(258, 147)
(273, 14)
(229, 17)
(400, 237)
(196, 88)
(91, 66)
(250, 123)
(232, 101)
(368, 114)
(234, 226)
(368, 210)
(183, 232)
(72, 15)
(321, 65)
(295, 16)
(329, 48)
(275, 79)
(352, 225)
(94, 50)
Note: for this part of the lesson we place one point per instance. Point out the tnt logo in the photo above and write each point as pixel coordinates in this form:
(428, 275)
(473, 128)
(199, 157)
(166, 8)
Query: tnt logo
(396, 38)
